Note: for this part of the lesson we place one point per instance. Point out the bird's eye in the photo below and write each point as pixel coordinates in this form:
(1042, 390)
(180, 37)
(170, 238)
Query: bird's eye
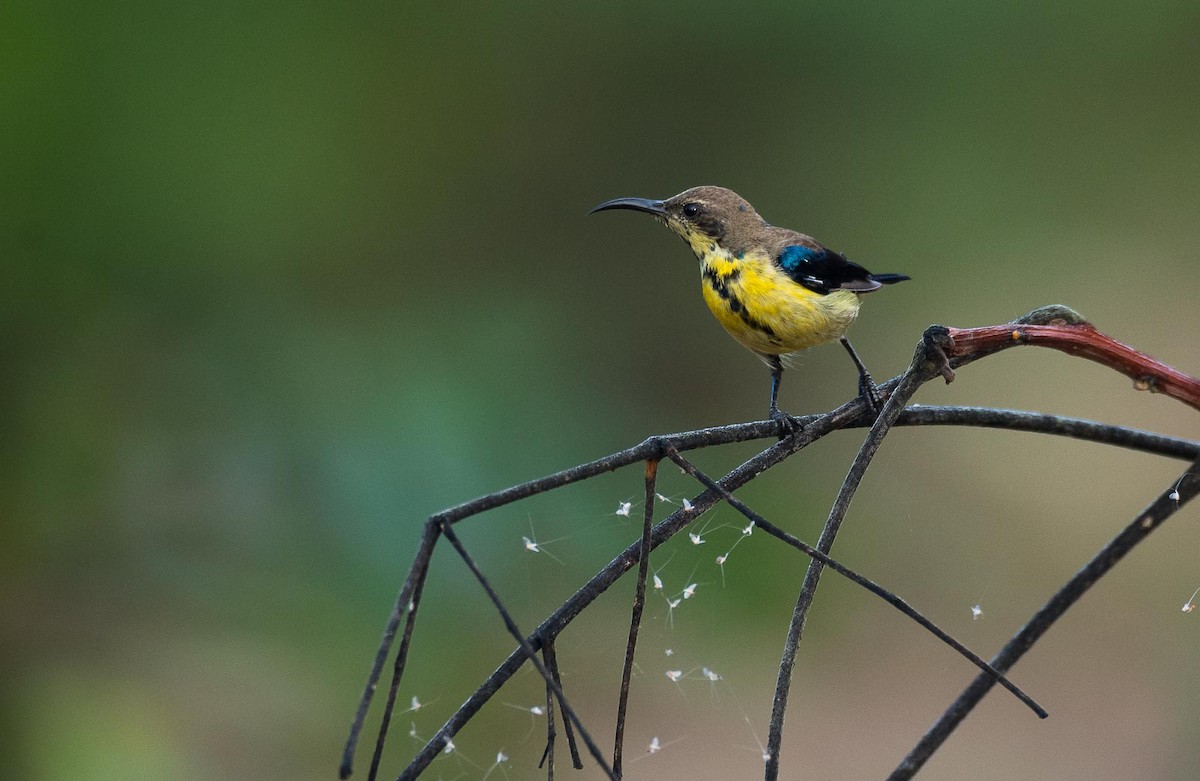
(691, 209)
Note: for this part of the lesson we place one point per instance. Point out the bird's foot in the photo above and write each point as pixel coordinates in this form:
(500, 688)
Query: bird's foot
(870, 393)
(788, 425)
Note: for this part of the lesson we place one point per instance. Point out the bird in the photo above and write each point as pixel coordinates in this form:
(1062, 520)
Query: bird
(776, 291)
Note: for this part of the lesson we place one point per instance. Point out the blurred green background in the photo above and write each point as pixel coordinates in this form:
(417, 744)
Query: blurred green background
(281, 279)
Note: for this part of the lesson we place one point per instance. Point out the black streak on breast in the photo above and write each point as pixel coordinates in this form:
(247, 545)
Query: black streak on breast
(720, 286)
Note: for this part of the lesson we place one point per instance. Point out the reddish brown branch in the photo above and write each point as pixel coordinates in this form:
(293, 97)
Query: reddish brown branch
(1064, 329)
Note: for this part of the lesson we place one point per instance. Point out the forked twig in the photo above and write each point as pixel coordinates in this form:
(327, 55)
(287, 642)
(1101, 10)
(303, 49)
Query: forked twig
(551, 658)
(405, 606)
(942, 350)
(602, 580)
(397, 674)
(916, 415)
(529, 651)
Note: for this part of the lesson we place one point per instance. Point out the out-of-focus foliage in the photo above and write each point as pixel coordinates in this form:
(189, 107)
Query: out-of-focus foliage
(281, 279)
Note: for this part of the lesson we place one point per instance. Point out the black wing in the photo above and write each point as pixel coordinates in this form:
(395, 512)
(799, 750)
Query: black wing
(822, 270)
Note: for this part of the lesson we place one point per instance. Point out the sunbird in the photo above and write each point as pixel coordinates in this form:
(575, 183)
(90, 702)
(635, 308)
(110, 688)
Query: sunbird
(776, 291)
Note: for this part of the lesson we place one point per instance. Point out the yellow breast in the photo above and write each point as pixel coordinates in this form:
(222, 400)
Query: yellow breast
(765, 310)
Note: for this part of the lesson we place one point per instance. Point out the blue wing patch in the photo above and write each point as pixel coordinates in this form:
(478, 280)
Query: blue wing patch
(793, 256)
(822, 270)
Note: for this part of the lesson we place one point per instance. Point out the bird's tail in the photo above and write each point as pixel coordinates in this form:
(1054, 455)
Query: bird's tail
(889, 279)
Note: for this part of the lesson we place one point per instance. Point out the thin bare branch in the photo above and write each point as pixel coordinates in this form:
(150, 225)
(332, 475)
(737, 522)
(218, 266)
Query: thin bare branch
(529, 651)
(926, 363)
(1163, 507)
(397, 673)
(551, 657)
(548, 754)
(635, 618)
(406, 598)
(1055, 425)
(854, 577)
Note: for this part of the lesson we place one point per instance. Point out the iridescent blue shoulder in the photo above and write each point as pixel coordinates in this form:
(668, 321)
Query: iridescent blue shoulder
(822, 270)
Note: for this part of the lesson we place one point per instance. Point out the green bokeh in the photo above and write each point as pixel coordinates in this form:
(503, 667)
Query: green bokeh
(280, 280)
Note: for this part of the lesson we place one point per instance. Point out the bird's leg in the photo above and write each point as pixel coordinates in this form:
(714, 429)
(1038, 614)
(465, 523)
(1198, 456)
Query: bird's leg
(866, 385)
(789, 424)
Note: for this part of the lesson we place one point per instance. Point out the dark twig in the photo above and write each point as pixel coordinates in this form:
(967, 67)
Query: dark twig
(407, 597)
(1056, 425)
(551, 658)
(528, 650)
(635, 618)
(1146, 522)
(647, 449)
(927, 362)
(548, 755)
(397, 674)
(853, 576)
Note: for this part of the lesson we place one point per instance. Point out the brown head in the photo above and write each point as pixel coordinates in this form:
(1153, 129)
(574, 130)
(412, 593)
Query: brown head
(703, 216)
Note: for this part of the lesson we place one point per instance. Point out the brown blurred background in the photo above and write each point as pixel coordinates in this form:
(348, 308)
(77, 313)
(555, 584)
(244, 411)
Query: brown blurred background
(281, 279)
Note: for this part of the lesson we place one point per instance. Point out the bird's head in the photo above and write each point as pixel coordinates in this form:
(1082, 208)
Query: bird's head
(705, 217)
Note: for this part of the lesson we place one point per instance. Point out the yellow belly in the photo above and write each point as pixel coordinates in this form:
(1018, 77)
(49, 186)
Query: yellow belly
(767, 312)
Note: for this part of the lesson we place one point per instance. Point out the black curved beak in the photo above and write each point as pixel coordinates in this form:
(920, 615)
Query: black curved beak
(636, 204)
